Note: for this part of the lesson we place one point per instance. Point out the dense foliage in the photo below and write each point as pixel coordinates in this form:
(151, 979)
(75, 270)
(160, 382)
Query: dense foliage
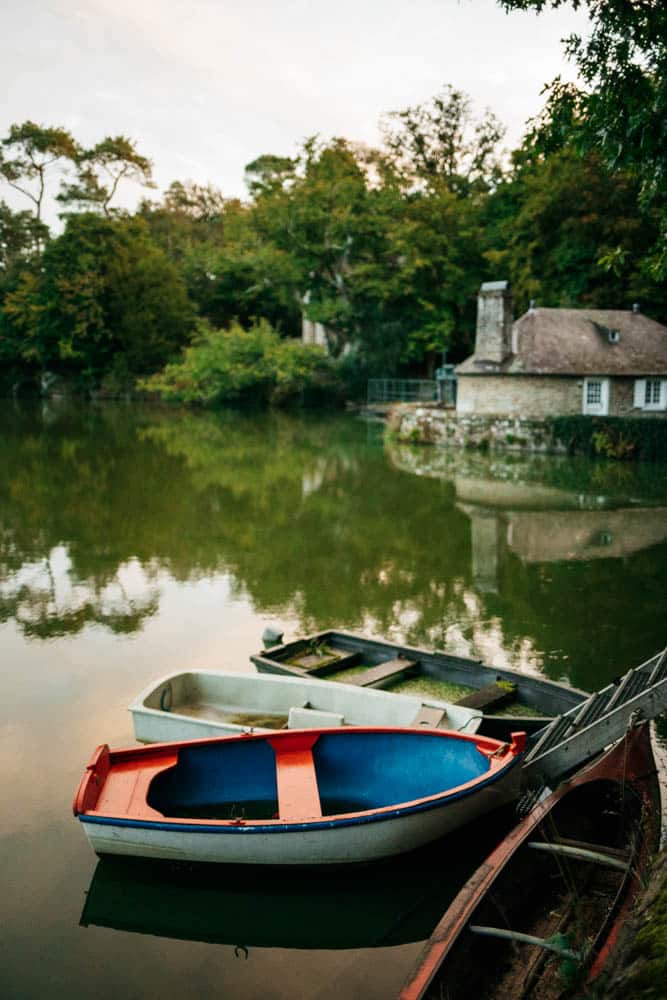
(103, 297)
(613, 437)
(619, 108)
(246, 366)
(384, 248)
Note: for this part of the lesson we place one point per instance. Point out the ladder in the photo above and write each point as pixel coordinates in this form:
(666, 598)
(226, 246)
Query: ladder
(574, 737)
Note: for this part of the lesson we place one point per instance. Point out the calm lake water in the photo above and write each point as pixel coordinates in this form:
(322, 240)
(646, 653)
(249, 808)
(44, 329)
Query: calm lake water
(135, 542)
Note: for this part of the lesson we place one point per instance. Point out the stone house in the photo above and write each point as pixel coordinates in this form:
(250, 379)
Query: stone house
(554, 362)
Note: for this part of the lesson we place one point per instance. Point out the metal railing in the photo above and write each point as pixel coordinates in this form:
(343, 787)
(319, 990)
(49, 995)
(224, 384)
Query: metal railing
(402, 390)
(413, 390)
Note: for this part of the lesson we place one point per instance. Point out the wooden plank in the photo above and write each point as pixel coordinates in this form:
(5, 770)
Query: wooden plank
(388, 671)
(486, 698)
(298, 794)
(427, 716)
(125, 792)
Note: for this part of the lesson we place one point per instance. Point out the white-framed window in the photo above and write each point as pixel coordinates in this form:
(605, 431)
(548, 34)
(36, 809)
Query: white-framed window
(593, 393)
(650, 394)
(596, 396)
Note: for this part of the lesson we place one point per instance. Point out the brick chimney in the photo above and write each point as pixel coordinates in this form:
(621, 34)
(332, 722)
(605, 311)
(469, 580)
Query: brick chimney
(494, 322)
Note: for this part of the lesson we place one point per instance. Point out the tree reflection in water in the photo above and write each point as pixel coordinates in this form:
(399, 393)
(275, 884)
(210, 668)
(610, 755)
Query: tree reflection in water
(316, 519)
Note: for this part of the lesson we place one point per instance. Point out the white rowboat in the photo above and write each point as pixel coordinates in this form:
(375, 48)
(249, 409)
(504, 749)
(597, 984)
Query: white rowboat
(214, 703)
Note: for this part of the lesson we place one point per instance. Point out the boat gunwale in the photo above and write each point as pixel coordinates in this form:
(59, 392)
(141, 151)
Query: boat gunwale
(138, 704)
(447, 932)
(498, 767)
(267, 661)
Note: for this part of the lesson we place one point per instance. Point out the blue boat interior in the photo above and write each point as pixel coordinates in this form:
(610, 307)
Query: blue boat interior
(355, 771)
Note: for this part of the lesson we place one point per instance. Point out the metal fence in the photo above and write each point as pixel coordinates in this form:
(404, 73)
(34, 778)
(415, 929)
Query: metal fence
(415, 390)
(402, 390)
(446, 381)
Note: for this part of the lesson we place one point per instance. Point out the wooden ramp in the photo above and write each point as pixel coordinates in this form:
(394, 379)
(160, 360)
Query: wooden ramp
(576, 736)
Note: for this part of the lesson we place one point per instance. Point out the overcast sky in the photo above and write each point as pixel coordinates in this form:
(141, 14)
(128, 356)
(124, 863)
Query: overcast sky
(205, 86)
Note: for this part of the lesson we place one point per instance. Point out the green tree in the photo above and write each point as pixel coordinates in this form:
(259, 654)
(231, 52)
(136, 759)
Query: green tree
(100, 171)
(442, 270)
(548, 226)
(270, 174)
(324, 214)
(27, 153)
(439, 142)
(105, 297)
(387, 270)
(203, 203)
(188, 216)
(243, 280)
(328, 234)
(22, 238)
(620, 107)
(232, 271)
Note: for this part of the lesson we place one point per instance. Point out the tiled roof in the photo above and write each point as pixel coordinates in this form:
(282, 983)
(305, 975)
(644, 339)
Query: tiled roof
(580, 342)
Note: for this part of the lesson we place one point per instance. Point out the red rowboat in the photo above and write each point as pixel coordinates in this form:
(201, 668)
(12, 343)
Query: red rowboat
(545, 908)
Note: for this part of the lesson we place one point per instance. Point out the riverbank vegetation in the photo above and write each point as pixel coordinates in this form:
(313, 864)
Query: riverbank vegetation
(612, 437)
(246, 366)
(202, 297)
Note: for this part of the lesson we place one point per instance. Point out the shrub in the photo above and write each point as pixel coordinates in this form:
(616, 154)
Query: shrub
(246, 366)
(613, 437)
(613, 444)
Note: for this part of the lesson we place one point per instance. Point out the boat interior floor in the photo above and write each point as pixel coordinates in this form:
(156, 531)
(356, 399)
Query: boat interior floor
(232, 715)
(567, 898)
(305, 774)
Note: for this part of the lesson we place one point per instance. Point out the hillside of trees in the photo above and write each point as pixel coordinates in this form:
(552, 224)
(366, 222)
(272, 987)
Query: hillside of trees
(200, 297)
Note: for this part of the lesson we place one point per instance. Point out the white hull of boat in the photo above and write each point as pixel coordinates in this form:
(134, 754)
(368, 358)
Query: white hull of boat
(334, 843)
(205, 703)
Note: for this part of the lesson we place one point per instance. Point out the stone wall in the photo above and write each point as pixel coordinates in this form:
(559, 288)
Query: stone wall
(622, 399)
(423, 424)
(518, 395)
(537, 396)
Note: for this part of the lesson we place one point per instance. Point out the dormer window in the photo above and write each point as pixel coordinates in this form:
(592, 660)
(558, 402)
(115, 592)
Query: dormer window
(606, 332)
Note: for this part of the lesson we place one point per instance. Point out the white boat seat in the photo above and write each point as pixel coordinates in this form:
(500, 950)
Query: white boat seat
(429, 716)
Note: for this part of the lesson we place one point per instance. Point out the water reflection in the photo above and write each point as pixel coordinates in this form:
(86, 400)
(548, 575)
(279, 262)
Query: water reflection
(537, 481)
(560, 550)
(298, 513)
(381, 905)
(136, 542)
(318, 523)
(47, 600)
